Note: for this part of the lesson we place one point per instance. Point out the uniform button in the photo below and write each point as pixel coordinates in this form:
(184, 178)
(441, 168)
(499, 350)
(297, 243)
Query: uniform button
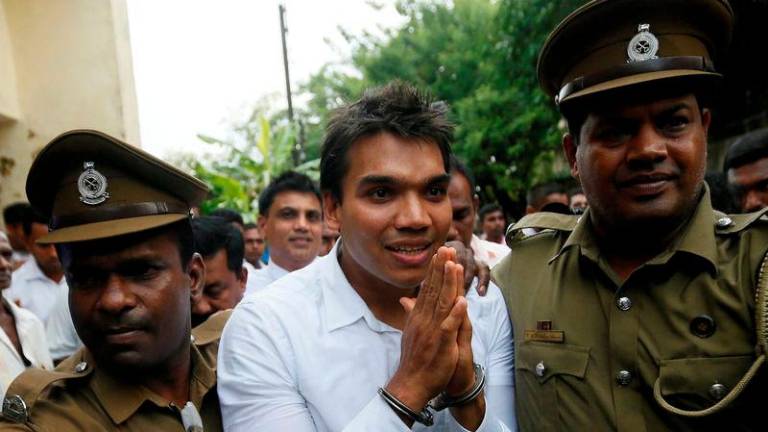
(703, 326)
(717, 391)
(192, 338)
(724, 222)
(624, 303)
(81, 367)
(624, 377)
(541, 369)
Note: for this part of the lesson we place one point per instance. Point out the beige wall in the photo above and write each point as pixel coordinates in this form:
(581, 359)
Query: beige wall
(64, 64)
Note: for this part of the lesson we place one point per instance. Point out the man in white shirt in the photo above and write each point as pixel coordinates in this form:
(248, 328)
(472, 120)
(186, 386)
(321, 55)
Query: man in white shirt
(464, 203)
(38, 283)
(291, 220)
(342, 345)
(22, 339)
(14, 216)
(254, 246)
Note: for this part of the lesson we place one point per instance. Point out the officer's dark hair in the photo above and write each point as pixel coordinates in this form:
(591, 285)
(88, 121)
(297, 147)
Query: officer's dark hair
(396, 108)
(457, 166)
(537, 193)
(249, 226)
(289, 181)
(747, 148)
(32, 216)
(16, 213)
(487, 209)
(228, 214)
(213, 234)
(575, 113)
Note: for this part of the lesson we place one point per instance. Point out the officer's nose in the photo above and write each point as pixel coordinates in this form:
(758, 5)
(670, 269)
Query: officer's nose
(116, 296)
(647, 146)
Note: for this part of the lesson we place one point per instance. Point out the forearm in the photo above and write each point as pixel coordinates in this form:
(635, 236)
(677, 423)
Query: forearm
(470, 416)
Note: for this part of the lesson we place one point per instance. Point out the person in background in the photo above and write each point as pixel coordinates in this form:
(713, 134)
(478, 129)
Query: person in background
(232, 216)
(39, 283)
(577, 200)
(721, 193)
(492, 223)
(14, 217)
(22, 339)
(549, 196)
(746, 165)
(330, 235)
(291, 219)
(254, 246)
(221, 246)
(464, 205)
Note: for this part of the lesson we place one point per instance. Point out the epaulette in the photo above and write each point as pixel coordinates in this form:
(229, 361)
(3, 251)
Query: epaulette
(28, 387)
(541, 222)
(734, 223)
(210, 330)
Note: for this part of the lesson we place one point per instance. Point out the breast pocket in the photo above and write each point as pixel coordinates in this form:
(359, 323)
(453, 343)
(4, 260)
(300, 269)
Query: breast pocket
(549, 380)
(699, 383)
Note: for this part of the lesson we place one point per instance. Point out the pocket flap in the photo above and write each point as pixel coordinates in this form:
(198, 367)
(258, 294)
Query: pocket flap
(698, 375)
(547, 360)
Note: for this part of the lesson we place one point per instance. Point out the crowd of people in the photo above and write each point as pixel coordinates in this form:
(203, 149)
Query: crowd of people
(386, 298)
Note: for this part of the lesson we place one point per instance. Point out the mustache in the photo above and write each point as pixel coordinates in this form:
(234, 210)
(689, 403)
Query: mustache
(121, 323)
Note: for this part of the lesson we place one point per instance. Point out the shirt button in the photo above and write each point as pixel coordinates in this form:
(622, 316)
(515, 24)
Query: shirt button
(624, 303)
(541, 369)
(717, 391)
(81, 367)
(624, 377)
(703, 326)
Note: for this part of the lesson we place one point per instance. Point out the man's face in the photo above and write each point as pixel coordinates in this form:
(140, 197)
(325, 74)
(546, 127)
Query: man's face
(223, 288)
(579, 202)
(130, 298)
(330, 236)
(16, 236)
(6, 263)
(45, 255)
(254, 245)
(394, 211)
(293, 227)
(642, 162)
(493, 224)
(464, 209)
(751, 184)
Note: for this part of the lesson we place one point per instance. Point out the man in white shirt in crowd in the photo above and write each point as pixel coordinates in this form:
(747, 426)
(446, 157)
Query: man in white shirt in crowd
(14, 216)
(37, 285)
(492, 223)
(464, 201)
(22, 339)
(254, 246)
(351, 343)
(291, 220)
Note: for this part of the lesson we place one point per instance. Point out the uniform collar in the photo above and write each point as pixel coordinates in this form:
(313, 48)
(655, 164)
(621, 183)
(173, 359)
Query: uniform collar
(697, 238)
(341, 303)
(121, 399)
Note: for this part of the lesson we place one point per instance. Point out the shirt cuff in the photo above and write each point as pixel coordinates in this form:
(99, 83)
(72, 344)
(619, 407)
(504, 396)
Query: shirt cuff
(489, 424)
(378, 416)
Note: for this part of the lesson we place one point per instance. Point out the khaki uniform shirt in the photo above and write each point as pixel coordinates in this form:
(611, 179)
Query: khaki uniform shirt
(78, 396)
(589, 347)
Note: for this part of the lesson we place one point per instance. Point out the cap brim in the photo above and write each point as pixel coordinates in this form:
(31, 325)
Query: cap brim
(634, 80)
(112, 228)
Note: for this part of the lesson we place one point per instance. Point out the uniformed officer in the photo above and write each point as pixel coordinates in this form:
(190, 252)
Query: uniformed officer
(640, 314)
(120, 220)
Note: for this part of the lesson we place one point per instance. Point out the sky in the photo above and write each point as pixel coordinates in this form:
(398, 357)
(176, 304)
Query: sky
(199, 65)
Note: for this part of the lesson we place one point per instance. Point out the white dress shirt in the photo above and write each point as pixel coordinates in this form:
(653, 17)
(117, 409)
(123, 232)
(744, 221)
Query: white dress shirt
(34, 290)
(263, 277)
(32, 339)
(60, 331)
(488, 252)
(308, 355)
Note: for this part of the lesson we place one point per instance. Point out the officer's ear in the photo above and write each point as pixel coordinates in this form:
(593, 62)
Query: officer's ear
(569, 148)
(706, 120)
(196, 274)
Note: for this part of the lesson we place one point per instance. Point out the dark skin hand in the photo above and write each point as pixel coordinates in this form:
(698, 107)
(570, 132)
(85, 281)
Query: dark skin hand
(472, 268)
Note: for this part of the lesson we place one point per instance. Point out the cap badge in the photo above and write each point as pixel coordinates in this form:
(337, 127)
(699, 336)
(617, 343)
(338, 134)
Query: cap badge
(643, 46)
(92, 185)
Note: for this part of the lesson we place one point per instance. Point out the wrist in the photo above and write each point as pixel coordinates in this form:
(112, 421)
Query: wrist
(414, 396)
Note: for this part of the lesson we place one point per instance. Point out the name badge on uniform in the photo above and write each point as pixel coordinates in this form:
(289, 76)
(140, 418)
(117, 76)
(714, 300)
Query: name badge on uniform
(544, 333)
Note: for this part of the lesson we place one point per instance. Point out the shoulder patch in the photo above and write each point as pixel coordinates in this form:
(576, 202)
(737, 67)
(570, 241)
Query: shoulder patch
(541, 221)
(734, 223)
(27, 388)
(210, 330)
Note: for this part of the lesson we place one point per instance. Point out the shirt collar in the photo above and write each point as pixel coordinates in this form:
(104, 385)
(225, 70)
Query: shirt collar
(342, 304)
(34, 272)
(697, 239)
(121, 399)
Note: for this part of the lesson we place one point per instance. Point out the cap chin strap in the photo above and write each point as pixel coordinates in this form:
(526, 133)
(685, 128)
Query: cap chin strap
(635, 68)
(118, 211)
(761, 326)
